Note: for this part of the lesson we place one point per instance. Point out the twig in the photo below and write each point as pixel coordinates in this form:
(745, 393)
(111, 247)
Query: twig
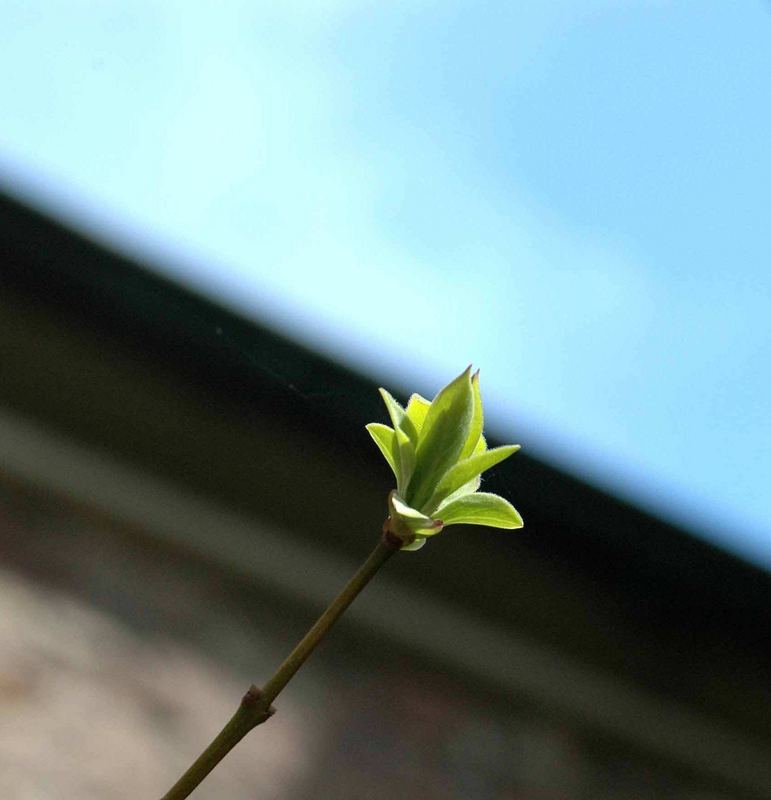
(255, 707)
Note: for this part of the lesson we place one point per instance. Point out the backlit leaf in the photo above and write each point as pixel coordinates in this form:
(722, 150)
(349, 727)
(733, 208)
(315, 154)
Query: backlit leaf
(416, 545)
(383, 436)
(405, 460)
(417, 408)
(418, 523)
(466, 470)
(477, 420)
(480, 508)
(467, 488)
(444, 432)
(399, 417)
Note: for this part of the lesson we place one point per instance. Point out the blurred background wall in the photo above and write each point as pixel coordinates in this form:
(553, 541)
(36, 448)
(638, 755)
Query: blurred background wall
(173, 518)
(265, 213)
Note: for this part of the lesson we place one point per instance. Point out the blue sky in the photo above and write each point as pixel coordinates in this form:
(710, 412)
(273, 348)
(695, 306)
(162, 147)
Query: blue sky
(572, 195)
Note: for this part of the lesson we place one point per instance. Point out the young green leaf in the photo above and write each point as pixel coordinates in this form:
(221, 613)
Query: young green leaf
(399, 417)
(480, 508)
(405, 460)
(442, 437)
(417, 408)
(395, 411)
(416, 545)
(464, 471)
(418, 523)
(477, 420)
(467, 488)
(383, 436)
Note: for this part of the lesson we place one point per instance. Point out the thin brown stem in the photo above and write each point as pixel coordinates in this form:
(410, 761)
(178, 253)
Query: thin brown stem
(255, 707)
